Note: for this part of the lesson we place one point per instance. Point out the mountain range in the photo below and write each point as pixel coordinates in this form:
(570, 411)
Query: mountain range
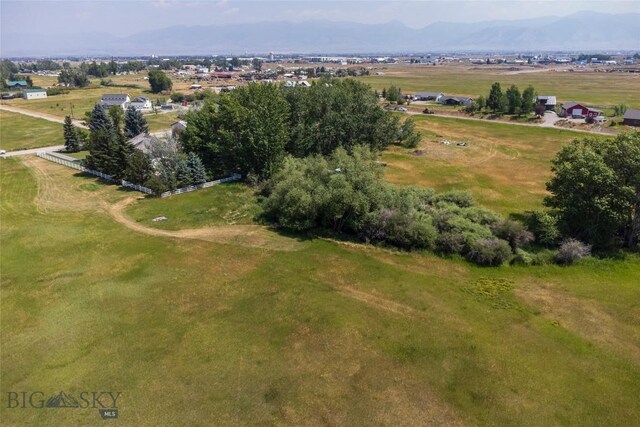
(582, 31)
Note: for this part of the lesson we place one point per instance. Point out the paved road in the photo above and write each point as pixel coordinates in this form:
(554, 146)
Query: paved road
(32, 151)
(38, 115)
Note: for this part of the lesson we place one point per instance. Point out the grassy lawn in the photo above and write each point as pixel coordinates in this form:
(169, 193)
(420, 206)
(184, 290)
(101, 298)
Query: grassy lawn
(595, 89)
(160, 121)
(18, 132)
(231, 203)
(79, 155)
(322, 333)
(504, 167)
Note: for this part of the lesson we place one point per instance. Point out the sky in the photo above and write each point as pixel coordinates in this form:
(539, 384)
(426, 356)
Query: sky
(126, 17)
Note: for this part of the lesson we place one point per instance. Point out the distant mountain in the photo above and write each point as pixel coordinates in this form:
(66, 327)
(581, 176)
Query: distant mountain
(587, 31)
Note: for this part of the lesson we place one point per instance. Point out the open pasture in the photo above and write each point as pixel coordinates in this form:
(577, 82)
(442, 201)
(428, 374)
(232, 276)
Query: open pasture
(19, 132)
(505, 167)
(321, 332)
(593, 88)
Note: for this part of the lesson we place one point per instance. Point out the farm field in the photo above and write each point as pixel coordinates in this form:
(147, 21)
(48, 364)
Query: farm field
(277, 330)
(595, 89)
(504, 167)
(19, 132)
(83, 100)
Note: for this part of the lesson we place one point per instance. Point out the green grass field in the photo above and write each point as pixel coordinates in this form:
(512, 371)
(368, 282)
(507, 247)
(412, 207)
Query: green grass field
(203, 331)
(595, 89)
(18, 132)
(504, 167)
(79, 101)
(231, 203)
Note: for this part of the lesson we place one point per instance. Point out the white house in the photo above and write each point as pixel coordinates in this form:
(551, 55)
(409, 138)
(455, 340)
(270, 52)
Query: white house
(34, 94)
(141, 103)
(120, 99)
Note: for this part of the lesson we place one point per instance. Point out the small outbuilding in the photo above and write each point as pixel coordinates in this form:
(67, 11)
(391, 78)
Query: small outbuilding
(576, 110)
(34, 94)
(455, 100)
(548, 101)
(631, 117)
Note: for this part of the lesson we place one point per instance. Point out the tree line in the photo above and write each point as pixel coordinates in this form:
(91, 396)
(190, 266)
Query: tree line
(512, 101)
(251, 129)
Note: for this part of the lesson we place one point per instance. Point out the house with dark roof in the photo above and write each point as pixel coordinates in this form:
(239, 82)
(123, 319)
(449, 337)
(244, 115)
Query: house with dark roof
(548, 101)
(428, 96)
(455, 100)
(34, 94)
(17, 84)
(120, 99)
(178, 127)
(631, 117)
(576, 110)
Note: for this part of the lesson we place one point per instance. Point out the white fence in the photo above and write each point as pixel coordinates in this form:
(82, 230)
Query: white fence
(234, 177)
(74, 165)
(78, 166)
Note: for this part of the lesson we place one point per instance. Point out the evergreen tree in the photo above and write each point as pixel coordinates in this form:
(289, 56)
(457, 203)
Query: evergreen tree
(102, 149)
(183, 173)
(529, 100)
(196, 169)
(71, 140)
(514, 100)
(99, 119)
(117, 117)
(134, 123)
(495, 101)
(139, 168)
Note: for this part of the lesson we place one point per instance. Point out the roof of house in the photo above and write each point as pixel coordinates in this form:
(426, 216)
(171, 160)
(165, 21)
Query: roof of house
(115, 97)
(181, 123)
(141, 99)
(551, 100)
(34, 90)
(142, 142)
(632, 114)
(429, 94)
(17, 83)
(455, 98)
(568, 105)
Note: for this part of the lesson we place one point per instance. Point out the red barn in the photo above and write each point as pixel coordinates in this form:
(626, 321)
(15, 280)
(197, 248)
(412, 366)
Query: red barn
(573, 109)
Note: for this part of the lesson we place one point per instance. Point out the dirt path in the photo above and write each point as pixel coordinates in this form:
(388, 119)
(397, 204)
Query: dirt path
(451, 116)
(38, 115)
(245, 235)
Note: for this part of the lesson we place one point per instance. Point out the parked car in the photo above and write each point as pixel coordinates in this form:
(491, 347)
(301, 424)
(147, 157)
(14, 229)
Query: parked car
(401, 109)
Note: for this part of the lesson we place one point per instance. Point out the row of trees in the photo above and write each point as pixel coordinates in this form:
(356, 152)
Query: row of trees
(512, 101)
(253, 128)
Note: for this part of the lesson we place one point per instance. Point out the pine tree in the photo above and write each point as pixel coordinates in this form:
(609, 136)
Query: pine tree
(102, 148)
(71, 140)
(196, 169)
(183, 173)
(99, 119)
(134, 123)
(495, 101)
(139, 168)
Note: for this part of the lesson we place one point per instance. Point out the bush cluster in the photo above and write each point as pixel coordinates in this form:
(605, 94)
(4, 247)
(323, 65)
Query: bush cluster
(345, 193)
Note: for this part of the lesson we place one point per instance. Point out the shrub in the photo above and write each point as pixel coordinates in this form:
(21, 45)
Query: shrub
(403, 230)
(544, 226)
(571, 250)
(544, 257)
(155, 184)
(450, 243)
(513, 232)
(459, 198)
(522, 257)
(489, 252)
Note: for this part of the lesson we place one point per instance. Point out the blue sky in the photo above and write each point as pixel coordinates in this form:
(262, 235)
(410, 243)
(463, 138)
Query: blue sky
(123, 17)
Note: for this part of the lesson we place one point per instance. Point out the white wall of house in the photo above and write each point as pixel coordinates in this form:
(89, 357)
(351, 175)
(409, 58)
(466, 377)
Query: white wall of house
(146, 105)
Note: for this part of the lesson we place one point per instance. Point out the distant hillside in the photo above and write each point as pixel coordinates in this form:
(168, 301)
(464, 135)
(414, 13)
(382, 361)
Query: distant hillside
(582, 31)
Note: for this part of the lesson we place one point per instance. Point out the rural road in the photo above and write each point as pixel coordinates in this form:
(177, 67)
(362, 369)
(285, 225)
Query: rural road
(544, 124)
(37, 115)
(32, 151)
